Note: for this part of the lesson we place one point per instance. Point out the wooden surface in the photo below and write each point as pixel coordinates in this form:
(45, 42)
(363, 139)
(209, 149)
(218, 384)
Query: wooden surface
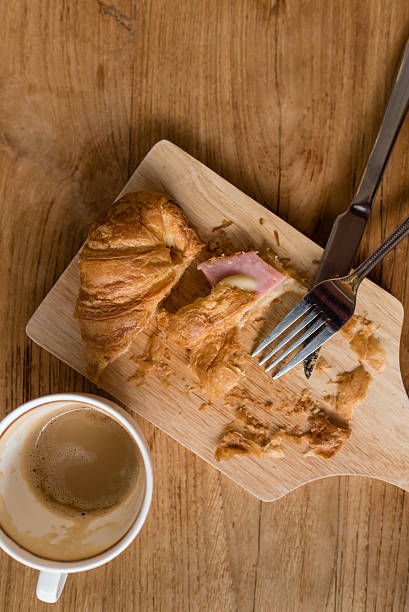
(378, 446)
(283, 99)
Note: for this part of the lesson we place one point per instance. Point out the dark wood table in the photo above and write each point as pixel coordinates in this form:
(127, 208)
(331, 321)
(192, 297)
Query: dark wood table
(282, 98)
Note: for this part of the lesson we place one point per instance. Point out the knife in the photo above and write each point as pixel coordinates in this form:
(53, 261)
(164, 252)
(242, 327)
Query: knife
(348, 228)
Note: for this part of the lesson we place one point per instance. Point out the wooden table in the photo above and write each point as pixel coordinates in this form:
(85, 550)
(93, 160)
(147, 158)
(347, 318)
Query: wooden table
(283, 99)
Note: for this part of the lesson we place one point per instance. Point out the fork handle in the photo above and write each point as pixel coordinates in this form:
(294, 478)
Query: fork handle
(390, 243)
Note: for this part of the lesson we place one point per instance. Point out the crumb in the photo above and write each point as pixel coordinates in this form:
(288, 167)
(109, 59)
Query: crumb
(304, 403)
(205, 405)
(224, 247)
(239, 399)
(291, 403)
(225, 223)
(261, 221)
(368, 349)
(247, 436)
(352, 388)
(359, 333)
(236, 443)
(214, 248)
(277, 238)
(293, 434)
(348, 330)
(325, 438)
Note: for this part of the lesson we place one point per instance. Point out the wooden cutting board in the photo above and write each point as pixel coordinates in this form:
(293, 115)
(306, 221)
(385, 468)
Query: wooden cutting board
(379, 444)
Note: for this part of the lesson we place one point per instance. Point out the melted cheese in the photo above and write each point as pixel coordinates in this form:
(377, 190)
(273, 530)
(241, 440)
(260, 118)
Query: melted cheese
(242, 281)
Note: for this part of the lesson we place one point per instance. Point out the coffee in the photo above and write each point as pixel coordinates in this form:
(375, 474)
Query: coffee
(79, 472)
(82, 462)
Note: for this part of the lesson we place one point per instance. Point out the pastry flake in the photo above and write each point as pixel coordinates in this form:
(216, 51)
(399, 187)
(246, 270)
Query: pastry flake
(325, 438)
(352, 388)
(367, 346)
(247, 436)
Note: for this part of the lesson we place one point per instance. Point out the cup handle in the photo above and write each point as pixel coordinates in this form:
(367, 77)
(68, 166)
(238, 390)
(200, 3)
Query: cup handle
(50, 586)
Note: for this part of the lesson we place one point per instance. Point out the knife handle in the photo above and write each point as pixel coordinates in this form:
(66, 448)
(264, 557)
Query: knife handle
(395, 113)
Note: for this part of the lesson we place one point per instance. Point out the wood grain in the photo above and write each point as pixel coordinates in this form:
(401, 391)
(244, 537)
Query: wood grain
(377, 447)
(283, 99)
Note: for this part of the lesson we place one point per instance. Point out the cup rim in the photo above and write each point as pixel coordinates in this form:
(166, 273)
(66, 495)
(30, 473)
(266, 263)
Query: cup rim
(27, 558)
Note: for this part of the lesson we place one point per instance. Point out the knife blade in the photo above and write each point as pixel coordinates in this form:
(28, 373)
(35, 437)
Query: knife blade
(348, 228)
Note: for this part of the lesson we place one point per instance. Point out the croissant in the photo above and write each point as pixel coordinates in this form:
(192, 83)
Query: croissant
(210, 326)
(135, 253)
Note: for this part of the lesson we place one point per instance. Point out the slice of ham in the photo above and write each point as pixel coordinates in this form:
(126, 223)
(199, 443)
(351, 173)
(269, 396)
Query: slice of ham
(249, 264)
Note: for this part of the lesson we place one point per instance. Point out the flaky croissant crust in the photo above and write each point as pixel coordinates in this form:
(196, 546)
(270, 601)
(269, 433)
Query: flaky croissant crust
(135, 253)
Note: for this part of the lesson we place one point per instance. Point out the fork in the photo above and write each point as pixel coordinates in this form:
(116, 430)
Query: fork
(323, 311)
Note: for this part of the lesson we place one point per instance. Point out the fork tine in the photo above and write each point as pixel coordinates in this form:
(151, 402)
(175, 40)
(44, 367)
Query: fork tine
(324, 335)
(301, 308)
(311, 330)
(305, 321)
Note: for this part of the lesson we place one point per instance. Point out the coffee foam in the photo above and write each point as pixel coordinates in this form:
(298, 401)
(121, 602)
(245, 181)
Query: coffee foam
(83, 462)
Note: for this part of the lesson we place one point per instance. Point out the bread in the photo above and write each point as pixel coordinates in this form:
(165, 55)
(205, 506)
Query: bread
(210, 326)
(135, 254)
(219, 311)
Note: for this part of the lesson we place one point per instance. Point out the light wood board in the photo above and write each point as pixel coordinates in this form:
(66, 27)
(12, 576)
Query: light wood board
(379, 444)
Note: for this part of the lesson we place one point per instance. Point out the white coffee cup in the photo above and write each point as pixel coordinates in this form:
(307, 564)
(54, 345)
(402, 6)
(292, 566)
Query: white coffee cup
(28, 511)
